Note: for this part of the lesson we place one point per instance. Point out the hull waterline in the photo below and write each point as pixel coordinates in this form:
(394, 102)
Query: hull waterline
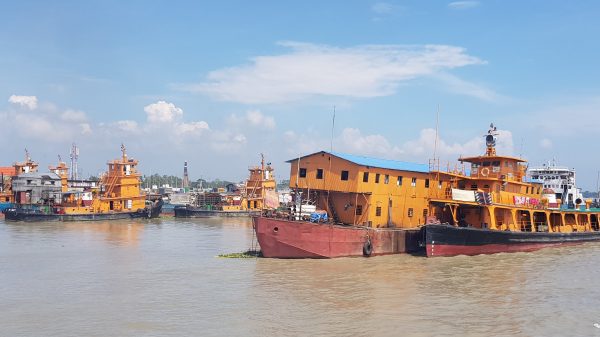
(31, 215)
(196, 212)
(445, 240)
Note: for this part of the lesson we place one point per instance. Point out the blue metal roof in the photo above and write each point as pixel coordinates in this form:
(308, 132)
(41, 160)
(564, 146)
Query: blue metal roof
(380, 163)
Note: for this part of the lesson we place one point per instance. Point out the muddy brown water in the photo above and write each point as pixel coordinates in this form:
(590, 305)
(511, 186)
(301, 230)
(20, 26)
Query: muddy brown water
(161, 277)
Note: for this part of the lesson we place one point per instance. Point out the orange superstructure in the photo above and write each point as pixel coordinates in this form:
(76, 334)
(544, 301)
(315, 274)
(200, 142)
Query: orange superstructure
(117, 196)
(365, 191)
(347, 205)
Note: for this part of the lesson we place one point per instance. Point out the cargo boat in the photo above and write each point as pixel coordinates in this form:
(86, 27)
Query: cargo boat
(505, 210)
(378, 206)
(257, 194)
(373, 206)
(47, 196)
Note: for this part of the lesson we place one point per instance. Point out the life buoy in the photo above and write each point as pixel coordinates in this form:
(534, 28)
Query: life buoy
(485, 171)
(367, 248)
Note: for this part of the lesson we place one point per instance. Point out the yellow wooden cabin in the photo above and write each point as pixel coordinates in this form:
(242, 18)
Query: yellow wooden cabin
(365, 191)
(260, 186)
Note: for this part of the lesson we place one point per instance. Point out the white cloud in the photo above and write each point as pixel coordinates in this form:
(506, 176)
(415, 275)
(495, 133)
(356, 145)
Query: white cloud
(161, 112)
(253, 118)
(352, 140)
(128, 126)
(73, 116)
(227, 141)
(45, 122)
(193, 127)
(24, 101)
(545, 143)
(316, 70)
(382, 8)
(86, 128)
(256, 118)
(463, 4)
(459, 86)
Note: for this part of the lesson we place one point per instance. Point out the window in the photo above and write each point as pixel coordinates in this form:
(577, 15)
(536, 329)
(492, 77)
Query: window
(319, 173)
(474, 187)
(425, 212)
(386, 179)
(426, 183)
(377, 178)
(486, 163)
(366, 177)
(440, 184)
(358, 209)
(378, 211)
(344, 175)
(527, 190)
(413, 182)
(486, 186)
(496, 163)
(399, 182)
(410, 212)
(302, 172)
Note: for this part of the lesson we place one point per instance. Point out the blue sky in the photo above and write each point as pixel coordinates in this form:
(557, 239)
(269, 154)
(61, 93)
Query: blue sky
(217, 83)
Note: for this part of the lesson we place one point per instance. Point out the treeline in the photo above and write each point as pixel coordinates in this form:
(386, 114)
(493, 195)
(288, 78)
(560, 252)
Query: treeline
(175, 181)
(588, 194)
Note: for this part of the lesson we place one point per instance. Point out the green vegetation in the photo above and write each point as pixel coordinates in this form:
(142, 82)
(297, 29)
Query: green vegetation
(245, 255)
(174, 181)
(283, 184)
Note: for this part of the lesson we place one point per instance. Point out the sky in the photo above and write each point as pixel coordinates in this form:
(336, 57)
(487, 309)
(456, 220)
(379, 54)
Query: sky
(216, 83)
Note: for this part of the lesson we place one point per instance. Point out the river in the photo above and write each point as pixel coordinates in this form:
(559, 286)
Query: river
(162, 277)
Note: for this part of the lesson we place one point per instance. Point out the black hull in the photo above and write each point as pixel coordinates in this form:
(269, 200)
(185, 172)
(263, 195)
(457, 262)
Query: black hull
(32, 215)
(445, 240)
(196, 212)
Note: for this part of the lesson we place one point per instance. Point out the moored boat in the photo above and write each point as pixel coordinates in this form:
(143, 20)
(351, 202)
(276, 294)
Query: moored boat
(497, 208)
(377, 207)
(250, 199)
(373, 207)
(48, 196)
(280, 238)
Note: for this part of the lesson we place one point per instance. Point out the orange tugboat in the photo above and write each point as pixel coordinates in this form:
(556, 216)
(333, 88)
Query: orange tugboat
(257, 194)
(47, 197)
(373, 207)
(377, 207)
(496, 208)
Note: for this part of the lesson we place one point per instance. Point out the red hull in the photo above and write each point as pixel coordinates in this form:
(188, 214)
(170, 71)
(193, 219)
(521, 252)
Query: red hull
(280, 238)
(453, 250)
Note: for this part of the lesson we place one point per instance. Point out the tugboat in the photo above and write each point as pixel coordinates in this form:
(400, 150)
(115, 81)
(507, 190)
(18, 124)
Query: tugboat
(47, 196)
(348, 205)
(362, 206)
(257, 194)
(496, 208)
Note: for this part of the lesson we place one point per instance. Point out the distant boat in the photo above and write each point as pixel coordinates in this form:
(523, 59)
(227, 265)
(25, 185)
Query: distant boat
(256, 195)
(48, 197)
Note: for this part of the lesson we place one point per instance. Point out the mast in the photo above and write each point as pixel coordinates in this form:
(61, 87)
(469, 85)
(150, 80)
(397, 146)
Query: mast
(74, 154)
(332, 128)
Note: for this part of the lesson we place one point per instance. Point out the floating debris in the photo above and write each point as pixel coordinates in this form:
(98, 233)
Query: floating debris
(244, 255)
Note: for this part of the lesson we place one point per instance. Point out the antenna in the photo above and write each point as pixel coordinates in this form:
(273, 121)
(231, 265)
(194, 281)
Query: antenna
(74, 155)
(332, 129)
(598, 184)
(437, 122)
(522, 141)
